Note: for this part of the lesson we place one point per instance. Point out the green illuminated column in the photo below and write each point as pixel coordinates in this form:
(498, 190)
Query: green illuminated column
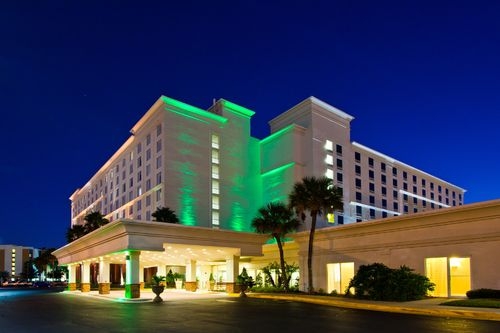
(232, 268)
(104, 285)
(191, 284)
(85, 286)
(132, 283)
(72, 276)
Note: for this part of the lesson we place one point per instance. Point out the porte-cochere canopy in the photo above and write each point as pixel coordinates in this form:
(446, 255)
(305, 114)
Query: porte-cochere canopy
(137, 245)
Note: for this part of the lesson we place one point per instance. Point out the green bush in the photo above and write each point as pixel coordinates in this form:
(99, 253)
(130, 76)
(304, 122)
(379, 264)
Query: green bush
(483, 293)
(381, 283)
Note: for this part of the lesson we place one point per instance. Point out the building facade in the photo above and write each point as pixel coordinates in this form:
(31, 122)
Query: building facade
(205, 165)
(13, 259)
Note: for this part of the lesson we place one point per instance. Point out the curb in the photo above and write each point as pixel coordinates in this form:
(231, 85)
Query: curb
(396, 308)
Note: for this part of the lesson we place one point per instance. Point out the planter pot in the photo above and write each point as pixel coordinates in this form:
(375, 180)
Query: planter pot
(178, 284)
(157, 290)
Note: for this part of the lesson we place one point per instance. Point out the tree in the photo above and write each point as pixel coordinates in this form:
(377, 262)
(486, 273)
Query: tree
(93, 221)
(44, 260)
(318, 196)
(165, 214)
(277, 220)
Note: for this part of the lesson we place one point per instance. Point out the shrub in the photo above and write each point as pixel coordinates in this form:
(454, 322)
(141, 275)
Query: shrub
(379, 282)
(483, 293)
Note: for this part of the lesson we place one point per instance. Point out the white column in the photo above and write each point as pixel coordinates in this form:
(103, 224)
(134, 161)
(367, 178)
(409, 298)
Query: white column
(86, 272)
(72, 273)
(232, 268)
(103, 271)
(141, 273)
(191, 271)
(132, 267)
(162, 270)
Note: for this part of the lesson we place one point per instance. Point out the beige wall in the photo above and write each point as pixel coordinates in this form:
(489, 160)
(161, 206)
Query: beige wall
(471, 231)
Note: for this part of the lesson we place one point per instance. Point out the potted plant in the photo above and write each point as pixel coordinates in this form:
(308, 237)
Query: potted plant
(179, 280)
(244, 281)
(211, 281)
(157, 287)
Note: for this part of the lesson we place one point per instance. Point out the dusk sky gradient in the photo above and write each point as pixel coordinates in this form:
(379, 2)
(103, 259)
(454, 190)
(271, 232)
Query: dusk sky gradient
(421, 78)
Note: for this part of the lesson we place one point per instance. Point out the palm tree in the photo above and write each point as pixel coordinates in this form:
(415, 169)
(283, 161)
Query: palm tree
(276, 219)
(93, 221)
(318, 196)
(75, 232)
(165, 214)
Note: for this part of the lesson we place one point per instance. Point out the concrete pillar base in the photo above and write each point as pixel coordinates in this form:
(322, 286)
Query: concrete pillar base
(132, 290)
(72, 286)
(85, 287)
(104, 288)
(190, 286)
(142, 286)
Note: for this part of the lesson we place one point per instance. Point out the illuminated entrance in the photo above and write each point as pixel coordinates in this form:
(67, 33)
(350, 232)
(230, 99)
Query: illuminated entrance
(451, 275)
(339, 276)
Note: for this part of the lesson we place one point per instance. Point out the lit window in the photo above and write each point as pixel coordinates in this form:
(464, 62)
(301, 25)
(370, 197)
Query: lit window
(215, 171)
(330, 217)
(215, 156)
(215, 202)
(328, 145)
(215, 141)
(329, 173)
(329, 159)
(215, 218)
(215, 187)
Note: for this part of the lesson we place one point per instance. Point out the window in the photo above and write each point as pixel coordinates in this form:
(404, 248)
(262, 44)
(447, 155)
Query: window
(158, 130)
(432, 186)
(382, 166)
(139, 148)
(215, 171)
(148, 184)
(395, 205)
(370, 162)
(372, 200)
(148, 170)
(357, 156)
(139, 162)
(405, 208)
(357, 169)
(340, 177)
(158, 162)
(414, 189)
(329, 159)
(405, 175)
(329, 173)
(395, 182)
(424, 193)
(215, 141)
(139, 191)
(405, 186)
(158, 146)
(148, 139)
(414, 179)
(215, 187)
(215, 156)
(215, 202)
(339, 164)
(148, 154)
(372, 213)
(384, 190)
(139, 176)
(394, 171)
(358, 183)
(384, 203)
(423, 182)
(372, 187)
(215, 218)
(148, 200)
(158, 178)
(158, 195)
(329, 145)
(384, 214)
(358, 196)
(339, 150)
(359, 210)
(395, 194)
(371, 174)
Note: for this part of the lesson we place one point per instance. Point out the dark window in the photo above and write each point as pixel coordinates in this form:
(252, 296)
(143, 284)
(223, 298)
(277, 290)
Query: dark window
(384, 190)
(358, 196)
(384, 203)
(415, 201)
(395, 194)
(446, 191)
(371, 174)
(370, 162)
(432, 185)
(405, 208)
(339, 163)
(424, 192)
(395, 182)
(394, 171)
(340, 219)
(424, 203)
(414, 189)
(432, 195)
(358, 183)
(432, 205)
(339, 149)
(439, 188)
(414, 179)
(405, 197)
(372, 200)
(340, 177)
(372, 187)
(357, 156)
(382, 166)
(405, 186)
(372, 213)
(357, 168)
(423, 182)
(405, 175)
(359, 210)
(383, 178)
(395, 205)
(384, 214)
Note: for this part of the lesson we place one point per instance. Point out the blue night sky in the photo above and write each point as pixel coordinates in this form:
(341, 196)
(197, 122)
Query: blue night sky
(422, 79)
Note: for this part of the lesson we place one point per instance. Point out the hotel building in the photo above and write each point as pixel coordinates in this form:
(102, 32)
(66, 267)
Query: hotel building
(205, 165)
(13, 259)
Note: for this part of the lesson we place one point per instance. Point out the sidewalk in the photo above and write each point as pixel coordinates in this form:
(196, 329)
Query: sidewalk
(429, 307)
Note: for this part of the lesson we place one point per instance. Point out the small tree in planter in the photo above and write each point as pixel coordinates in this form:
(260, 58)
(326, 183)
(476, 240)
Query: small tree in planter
(157, 287)
(211, 281)
(245, 282)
